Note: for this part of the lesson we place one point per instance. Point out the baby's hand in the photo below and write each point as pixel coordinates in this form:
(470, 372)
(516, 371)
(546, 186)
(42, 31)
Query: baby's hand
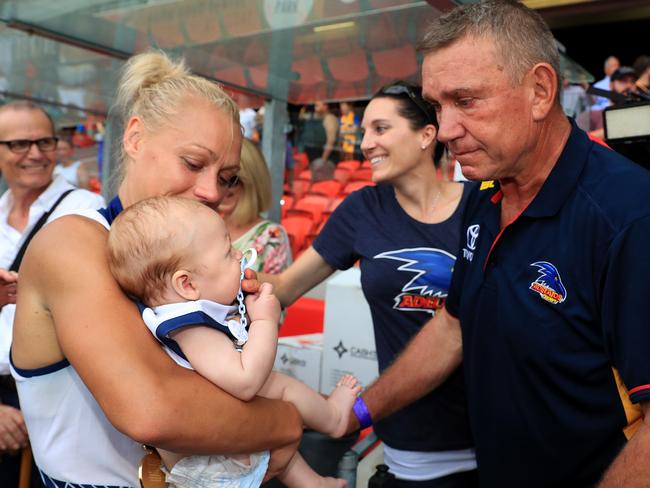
(263, 305)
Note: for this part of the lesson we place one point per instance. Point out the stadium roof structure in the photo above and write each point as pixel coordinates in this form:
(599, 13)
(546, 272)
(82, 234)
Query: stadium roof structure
(67, 53)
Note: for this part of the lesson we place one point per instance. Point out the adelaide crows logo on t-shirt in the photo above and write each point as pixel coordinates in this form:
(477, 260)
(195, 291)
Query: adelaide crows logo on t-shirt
(428, 272)
(548, 284)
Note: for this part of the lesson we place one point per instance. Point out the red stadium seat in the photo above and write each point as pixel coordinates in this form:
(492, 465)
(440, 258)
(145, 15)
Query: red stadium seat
(316, 204)
(309, 240)
(304, 175)
(298, 227)
(286, 203)
(342, 175)
(300, 212)
(321, 225)
(362, 174)
(356, 185)
(350, 165)
(335, 203)
(300, 160)
(300, 187)
(331, 188)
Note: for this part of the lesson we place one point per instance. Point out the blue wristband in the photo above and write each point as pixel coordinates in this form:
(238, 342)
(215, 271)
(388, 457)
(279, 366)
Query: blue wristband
(360, 409)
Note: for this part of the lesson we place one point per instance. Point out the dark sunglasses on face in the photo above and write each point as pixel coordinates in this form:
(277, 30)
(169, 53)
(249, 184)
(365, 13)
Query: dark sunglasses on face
(46, 144)
(401, 88)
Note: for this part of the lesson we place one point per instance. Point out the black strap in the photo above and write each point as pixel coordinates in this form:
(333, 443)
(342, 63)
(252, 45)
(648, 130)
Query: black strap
(41, 222)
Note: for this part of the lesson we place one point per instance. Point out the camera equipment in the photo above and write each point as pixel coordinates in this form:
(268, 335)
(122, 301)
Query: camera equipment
(627, 124)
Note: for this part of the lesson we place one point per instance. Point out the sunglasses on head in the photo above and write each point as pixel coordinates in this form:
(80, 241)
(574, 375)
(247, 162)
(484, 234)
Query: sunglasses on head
(401, 88)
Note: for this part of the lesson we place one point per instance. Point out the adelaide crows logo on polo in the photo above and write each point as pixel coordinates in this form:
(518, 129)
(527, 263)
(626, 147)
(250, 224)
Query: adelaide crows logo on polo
(548, 284)
(429, 271)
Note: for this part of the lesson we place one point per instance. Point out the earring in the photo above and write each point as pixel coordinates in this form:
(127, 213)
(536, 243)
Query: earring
(424, 146)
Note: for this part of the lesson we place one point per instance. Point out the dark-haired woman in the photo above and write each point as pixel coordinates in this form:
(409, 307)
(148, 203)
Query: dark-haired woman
(405, 232)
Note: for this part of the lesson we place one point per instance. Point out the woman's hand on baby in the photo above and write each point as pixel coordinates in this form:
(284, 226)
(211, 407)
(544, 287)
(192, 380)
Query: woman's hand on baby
(263, 305)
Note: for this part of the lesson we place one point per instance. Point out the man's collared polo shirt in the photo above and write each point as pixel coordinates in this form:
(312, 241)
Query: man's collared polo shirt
(554, 317)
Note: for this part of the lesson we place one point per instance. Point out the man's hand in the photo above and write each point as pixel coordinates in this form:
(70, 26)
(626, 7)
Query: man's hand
(8, 282)
(280, 459)
(263, 305)
(13, 433)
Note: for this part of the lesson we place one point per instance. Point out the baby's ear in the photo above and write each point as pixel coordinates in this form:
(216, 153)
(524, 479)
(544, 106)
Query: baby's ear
(184, 286)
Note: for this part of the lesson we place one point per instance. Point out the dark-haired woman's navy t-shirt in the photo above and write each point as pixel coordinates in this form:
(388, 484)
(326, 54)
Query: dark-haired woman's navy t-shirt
(406, 269)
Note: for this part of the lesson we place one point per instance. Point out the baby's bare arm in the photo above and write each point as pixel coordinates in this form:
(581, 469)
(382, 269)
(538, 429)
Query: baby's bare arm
(213, 355)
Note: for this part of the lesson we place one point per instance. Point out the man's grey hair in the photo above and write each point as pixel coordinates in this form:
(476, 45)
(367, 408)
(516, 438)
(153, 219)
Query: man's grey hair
(27, 105)
(521, 36)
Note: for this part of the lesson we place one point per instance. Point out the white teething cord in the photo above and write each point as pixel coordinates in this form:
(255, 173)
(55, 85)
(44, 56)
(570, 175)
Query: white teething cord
(245, 263)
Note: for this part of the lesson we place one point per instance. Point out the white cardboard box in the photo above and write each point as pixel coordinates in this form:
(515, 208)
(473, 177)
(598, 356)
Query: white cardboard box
(349, 338)
(300, 356)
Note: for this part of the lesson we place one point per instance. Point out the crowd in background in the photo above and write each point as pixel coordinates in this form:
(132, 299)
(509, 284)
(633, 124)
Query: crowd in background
(631, 82)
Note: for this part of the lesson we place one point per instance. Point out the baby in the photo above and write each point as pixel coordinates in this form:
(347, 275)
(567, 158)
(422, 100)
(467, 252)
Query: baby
(175, 256)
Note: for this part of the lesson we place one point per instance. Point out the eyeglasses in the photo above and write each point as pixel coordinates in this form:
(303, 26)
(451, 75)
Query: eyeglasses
(229, 182)
(20, 146)
(401, 88)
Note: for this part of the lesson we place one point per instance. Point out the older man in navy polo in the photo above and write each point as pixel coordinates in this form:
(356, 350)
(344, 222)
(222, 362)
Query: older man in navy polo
(548, 304)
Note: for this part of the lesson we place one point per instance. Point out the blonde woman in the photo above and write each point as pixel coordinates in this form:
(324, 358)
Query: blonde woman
(241, 209)
(94, 383)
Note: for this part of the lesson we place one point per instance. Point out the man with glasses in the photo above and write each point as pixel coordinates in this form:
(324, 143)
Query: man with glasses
(547, 307)
(27, 159)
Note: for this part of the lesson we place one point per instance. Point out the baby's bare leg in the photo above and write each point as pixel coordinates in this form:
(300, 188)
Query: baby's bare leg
(298, 474)
(329, 416)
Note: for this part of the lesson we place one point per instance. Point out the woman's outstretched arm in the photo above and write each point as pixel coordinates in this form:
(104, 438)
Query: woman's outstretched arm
(306, 272)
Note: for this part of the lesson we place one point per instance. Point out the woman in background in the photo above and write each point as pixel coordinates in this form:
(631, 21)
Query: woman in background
(241, 209)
